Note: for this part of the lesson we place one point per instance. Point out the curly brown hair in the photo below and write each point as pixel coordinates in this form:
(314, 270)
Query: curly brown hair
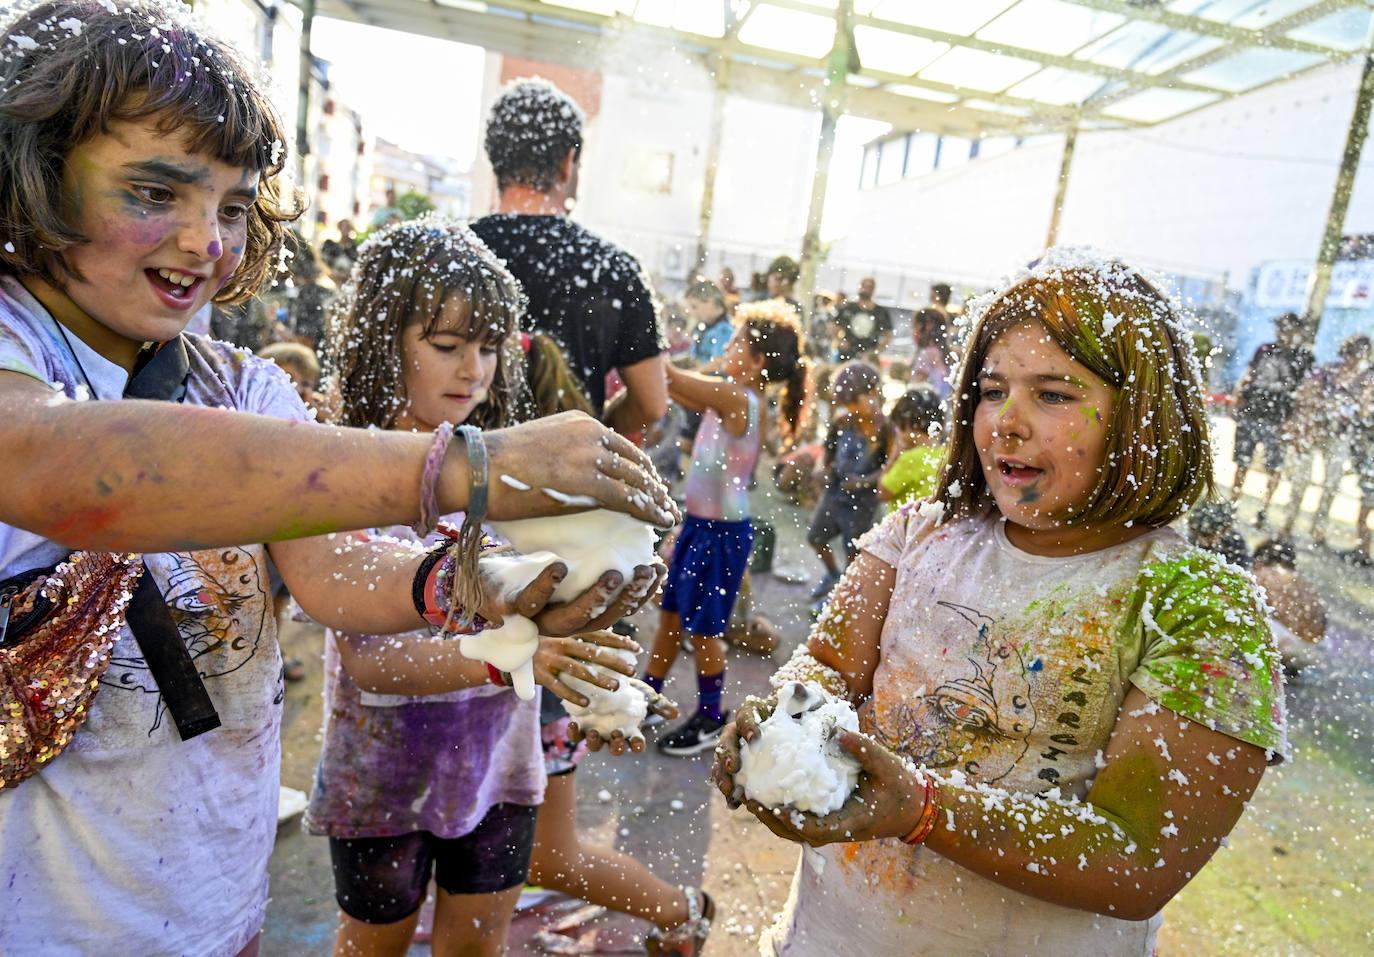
(405, 275)
(69, 68)
(775, 334)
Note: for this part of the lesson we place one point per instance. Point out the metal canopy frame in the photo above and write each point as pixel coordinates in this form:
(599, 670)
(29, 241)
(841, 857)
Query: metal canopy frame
(546, 31)
(838, 83)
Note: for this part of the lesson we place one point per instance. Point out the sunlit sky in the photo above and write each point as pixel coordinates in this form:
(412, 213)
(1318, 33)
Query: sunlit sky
(433, 105)
(429, 106)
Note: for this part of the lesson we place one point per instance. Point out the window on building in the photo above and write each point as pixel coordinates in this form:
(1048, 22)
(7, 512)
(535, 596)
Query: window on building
(954, 151)
(891, 160)
(920, 158)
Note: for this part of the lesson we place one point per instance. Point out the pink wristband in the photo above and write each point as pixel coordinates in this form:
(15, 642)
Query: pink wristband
(429, 480)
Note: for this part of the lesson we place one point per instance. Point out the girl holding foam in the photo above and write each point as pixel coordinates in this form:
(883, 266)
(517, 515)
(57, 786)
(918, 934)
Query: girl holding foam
(1065, 707)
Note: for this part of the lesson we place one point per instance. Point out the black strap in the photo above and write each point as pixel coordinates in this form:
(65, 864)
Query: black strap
(160, 373)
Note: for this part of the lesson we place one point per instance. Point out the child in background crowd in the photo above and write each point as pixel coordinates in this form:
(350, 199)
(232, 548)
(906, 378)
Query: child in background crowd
(1297, 612)
(562, 861)
(140, 182)
(428, 767)
(301, 364)
(1064, 706)
(855, 451)
(711, 328)
(915, 454)
(713, 546)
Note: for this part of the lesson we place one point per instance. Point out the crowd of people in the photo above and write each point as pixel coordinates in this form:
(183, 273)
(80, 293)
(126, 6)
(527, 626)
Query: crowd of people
(1064, 705)
(1305, 417)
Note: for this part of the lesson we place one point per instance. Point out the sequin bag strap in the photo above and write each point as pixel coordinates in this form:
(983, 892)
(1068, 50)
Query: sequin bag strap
(61, 626)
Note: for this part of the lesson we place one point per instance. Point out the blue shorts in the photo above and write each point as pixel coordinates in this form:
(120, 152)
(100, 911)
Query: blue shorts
(704, 576)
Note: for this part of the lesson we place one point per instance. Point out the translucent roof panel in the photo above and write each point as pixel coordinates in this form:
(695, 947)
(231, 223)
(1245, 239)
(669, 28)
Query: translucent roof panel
(1251, 68)
(1246, 14)
(1060, 87)
(1346, 29)
(793, 31)
(960, 17)
(707, 19)
(994, 107)
(1148, 48)
(1160, 103)
(1049, 26)
(898, 53)
(607, 8)
(977, 70)
(922, 93)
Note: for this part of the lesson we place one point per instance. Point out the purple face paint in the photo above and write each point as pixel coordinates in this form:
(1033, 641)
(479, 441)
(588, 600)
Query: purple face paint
(215, 250)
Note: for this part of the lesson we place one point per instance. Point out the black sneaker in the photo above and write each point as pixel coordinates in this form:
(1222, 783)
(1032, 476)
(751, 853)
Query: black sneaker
(700, 733)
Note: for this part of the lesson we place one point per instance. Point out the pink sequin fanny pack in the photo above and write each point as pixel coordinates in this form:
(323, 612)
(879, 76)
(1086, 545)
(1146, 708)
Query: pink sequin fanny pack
(57, 629)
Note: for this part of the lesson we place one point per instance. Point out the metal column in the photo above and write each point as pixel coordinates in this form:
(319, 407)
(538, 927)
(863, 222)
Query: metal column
(1062, 189)
(837, 69)
(303, 94)
(1340, 199)
(708, 183)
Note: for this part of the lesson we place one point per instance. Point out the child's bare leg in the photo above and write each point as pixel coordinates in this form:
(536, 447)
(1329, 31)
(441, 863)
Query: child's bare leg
(710, 655)
(251, 948)
(827, 558)
(666, 645)
(1238, 480)
(598, 875)
(472, 925)
(1271, 486)
(358, 938)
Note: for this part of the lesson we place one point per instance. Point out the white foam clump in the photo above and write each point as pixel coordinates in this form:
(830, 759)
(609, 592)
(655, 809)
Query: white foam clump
(607, 712)
(794, 761)
(588, 543)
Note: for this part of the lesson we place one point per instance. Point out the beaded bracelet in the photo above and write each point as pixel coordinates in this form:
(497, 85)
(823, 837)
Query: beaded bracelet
(930, 810)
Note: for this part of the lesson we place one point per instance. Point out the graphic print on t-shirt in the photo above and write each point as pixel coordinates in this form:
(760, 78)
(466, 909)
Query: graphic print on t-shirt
(978, 721)
(217, 599)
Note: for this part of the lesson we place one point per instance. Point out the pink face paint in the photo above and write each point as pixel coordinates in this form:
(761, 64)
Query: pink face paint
(215, 250)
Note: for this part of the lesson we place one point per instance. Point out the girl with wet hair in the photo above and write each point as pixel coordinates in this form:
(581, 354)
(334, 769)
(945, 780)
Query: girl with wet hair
(427, 769)
(1064, 706)
(713, 547)
(139, 181)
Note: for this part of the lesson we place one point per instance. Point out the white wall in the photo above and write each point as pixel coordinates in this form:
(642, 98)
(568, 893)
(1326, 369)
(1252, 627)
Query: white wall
(1216, 193)
(763, 180)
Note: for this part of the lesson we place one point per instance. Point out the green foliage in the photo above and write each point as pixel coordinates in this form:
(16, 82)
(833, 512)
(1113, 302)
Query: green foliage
(413, 205)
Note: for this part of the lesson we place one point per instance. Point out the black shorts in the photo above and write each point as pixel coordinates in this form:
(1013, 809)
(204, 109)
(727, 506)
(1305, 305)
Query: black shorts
(1253, 432)
(380, 880)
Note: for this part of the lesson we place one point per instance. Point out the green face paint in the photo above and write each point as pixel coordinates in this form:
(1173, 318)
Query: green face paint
(1005, 406)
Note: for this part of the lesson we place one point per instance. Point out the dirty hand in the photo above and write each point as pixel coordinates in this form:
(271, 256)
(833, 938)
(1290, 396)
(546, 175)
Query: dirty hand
(745, 727)
(571, 453)
(557, 657)
(594, 609)
(616, 742)
(886, 803)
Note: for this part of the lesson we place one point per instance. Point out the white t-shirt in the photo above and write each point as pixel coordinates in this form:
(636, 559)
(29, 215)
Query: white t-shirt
(133, 841)
(1011, 668)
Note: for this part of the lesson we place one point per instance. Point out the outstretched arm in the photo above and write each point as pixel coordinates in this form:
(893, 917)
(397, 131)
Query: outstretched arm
(155, 476)
(696, 391)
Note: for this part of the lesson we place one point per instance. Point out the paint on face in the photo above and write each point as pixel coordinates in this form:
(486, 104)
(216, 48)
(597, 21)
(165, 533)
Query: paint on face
(148, 204)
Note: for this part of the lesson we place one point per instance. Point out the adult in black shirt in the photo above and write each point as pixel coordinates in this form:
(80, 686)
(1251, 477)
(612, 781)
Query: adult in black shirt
(1264, 404)
(588, 294)
(862, 327)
